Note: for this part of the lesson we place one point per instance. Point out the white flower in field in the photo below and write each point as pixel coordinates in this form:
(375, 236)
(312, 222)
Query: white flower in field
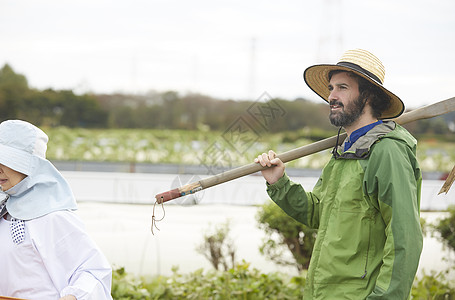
(78, 141)
(188, 158)
(108, 151)
(141, 156)
(142, 144)
(156, 156)
(130, 154)
(196, 145)
(177, 146)
(104, 142)
(429, 163)
(97, 151)
(88, 155)
(59, 153)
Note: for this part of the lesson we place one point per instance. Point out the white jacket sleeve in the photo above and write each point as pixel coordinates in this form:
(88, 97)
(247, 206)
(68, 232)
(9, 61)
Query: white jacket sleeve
(74, 263)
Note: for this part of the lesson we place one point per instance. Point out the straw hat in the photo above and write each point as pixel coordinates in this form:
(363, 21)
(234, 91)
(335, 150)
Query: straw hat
(360, 62)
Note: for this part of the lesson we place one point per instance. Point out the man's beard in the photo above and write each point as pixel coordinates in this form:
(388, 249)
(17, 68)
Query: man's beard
(347, 115)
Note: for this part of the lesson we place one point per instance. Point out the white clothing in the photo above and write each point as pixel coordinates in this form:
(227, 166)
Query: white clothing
(55, 259)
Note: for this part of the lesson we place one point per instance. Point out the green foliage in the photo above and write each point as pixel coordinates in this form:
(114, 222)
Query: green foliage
(48, 107)
(170, 110)
(434, 286)
(305, 134)
(13, 91)
(424, 226)
(126, 286)
(184, 125)
(241, 282)
(435, 155)
(446, 228)
(218, 248)
(173, 111)
(194, 147)
(285, 234)
(437, 285)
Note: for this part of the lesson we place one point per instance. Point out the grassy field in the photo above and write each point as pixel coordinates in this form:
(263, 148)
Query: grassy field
(206, 147)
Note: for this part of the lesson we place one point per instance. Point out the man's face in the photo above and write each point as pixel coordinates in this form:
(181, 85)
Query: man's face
(345, 104)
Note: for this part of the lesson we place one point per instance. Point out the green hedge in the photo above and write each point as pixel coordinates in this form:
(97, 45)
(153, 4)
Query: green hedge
(243, 282)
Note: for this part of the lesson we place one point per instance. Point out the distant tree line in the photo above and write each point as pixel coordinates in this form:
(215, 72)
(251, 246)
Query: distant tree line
(168, 110)
(190, 112)
(48, 107)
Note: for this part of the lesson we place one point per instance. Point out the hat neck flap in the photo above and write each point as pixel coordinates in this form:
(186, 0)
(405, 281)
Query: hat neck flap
(40, 193)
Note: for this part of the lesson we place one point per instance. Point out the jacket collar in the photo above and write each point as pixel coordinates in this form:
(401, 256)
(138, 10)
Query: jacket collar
(361, 148)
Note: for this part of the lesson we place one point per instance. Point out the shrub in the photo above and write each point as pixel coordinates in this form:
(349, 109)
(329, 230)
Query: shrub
(434, 286)
(285, 235)
(446, 228)
(217, 247)
(241, 282)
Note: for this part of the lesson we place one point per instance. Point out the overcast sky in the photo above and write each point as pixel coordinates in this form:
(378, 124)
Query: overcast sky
(226, 49)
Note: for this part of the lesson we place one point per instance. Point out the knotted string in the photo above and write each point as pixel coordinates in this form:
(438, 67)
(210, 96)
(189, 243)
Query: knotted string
(154, 220)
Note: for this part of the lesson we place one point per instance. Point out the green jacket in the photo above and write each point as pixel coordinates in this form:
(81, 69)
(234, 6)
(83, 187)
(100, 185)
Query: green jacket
(366, 207)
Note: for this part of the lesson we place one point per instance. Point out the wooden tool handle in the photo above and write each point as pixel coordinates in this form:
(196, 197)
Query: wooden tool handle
(429, 111)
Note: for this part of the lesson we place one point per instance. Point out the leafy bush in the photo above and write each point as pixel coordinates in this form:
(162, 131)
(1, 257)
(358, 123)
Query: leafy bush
(434, 286)
(126, 286)
(218, 247)
(241, 282)
(446, 228)
(437, 285)
(285, 235)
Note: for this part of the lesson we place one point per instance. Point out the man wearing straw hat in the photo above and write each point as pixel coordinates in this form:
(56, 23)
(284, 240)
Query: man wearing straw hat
(366, 203)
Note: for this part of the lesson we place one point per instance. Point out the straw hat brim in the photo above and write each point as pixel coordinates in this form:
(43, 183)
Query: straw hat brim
(317, 78)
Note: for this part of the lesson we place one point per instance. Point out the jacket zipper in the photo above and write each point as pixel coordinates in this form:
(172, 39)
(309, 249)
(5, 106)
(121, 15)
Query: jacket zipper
(368, 251)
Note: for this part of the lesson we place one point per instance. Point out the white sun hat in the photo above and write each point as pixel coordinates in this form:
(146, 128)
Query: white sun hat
(19, 142)
(44, 190)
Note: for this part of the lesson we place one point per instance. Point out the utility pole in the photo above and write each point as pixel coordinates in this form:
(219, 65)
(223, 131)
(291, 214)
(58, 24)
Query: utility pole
(330, 44)
(252, 77)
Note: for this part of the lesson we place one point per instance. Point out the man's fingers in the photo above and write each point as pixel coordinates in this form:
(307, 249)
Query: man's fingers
(267, 159)
(262, 159)
(272, 154)
(275, 161)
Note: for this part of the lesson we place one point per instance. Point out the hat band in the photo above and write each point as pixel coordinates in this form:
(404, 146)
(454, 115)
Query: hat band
(359, 69)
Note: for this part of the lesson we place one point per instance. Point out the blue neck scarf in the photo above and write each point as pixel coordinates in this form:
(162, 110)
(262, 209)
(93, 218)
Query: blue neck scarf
(355, 135)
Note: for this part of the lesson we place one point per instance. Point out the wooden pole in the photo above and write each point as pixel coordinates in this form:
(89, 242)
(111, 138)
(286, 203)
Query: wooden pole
(448, 183)
(429, 111)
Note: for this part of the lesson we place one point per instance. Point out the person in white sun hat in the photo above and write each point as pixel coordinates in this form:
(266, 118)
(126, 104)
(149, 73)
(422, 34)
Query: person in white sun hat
(366, 203)
(45, 251)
